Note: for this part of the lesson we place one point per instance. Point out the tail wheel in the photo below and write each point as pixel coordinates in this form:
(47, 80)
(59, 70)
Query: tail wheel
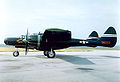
(51, 54)
(15, 53)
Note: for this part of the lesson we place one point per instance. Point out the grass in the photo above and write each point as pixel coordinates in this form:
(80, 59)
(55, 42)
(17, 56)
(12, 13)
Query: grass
(102, 48)
(12, 49)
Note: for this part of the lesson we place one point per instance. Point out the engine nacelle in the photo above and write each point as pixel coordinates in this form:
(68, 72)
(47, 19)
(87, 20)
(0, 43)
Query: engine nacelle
(57, 35)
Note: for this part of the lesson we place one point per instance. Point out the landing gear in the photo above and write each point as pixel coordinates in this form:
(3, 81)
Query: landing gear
(15, 53)
(45, 53)
(50, 54)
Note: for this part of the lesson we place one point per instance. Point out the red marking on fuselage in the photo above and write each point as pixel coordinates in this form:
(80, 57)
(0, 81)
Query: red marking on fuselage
(105, 42)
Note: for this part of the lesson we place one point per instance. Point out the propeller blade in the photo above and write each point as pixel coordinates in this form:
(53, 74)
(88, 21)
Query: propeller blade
(27, 35)
(26, 42)
(26, 49)
(26, 38)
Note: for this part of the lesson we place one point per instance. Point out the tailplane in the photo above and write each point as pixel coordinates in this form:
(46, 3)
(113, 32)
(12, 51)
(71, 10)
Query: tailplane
(93, 36)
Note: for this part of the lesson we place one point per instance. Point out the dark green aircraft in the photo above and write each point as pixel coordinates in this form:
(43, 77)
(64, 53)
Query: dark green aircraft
(54, 38)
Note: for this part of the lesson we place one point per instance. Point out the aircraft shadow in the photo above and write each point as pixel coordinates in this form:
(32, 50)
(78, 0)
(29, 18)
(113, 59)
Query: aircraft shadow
(75, 59)
(111, 56)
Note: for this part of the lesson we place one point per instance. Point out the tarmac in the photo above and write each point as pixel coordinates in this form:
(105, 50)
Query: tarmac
(94, 66)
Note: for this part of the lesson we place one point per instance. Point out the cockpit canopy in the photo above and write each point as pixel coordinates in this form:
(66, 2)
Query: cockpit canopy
(22, 36)
(34, 37)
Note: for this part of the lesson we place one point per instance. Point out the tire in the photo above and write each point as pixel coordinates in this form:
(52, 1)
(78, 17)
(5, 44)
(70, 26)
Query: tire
(45, 53)
(51, 54)
(15, 53)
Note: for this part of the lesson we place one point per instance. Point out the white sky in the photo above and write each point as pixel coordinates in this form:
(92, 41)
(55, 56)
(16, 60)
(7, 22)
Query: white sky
(79, 16)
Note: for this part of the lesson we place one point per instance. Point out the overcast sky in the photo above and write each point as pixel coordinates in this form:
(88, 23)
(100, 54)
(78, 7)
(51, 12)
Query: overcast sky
(79, 16)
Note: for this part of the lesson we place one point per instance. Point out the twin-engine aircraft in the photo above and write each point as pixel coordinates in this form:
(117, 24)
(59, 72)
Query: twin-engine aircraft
(54, 38)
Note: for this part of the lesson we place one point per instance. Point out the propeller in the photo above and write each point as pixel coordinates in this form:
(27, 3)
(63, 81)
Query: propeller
(26, 42)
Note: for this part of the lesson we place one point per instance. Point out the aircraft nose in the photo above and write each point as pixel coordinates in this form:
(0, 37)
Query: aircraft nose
(6, 40)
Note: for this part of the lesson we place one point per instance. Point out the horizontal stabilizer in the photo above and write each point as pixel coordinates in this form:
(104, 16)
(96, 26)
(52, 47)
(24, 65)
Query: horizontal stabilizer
(93, 36)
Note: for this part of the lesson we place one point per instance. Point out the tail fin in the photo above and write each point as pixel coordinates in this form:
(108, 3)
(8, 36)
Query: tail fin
(109, 38)
(93, 36)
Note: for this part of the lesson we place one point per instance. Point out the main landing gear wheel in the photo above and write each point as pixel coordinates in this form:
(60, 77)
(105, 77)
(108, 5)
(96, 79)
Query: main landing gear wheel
(45, 53)
(15, 53)
(51, 54)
